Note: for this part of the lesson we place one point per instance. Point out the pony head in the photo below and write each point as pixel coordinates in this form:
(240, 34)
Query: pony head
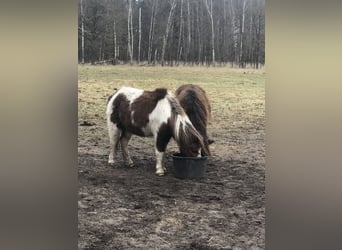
(191, 143)
(196, 105)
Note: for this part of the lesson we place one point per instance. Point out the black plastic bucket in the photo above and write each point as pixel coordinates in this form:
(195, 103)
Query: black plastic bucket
(189, 167)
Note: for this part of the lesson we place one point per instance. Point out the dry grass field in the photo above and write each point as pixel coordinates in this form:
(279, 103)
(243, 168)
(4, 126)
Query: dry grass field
(132, 208)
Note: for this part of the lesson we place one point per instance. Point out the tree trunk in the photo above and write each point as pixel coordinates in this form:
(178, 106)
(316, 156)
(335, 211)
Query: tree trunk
(189, 35)
(234, 33)
(155, 56)
(139, 35)
(168, 25)
(82, 31)
(103, 55)
(132, 33)
(151, 33)
(210, 13)
(198, 34)
(242, 30)
(115, 55)
(129, 33)
(224, 33)
(179, 49)
(258, 42)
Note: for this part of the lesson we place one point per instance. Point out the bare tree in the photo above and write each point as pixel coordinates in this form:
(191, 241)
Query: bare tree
(199, 27)
(210, 13)
(179, 48)
(132, 39)
(151, 33)
(139, 46)
(115, 53)
(234, 31)
(155, 56)
(104, 35)
(130, 32)
(82, 30)
(168, 25)
(242, 30)
(206, 31)
(189, 35)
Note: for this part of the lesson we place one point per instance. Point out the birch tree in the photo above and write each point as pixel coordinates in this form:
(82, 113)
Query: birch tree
(168, 25)
(139, 46)
(234, 31)
(189, 34)
(210, 13)
(151, 33)
(130, 32)
(179, 48)
(242, 30)
(115, 53)
(82, 31)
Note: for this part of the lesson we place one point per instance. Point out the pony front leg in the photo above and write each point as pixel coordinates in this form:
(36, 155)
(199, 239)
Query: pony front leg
(160, 170)
(161, 139)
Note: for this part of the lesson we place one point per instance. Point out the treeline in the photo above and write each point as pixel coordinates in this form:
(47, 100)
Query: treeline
(172, 32)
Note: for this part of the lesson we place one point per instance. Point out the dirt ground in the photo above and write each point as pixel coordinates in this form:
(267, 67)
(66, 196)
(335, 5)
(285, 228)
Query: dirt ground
(132, 208)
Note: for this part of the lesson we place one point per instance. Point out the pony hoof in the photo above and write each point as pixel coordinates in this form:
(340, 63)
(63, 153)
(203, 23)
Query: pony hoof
(160, 173)
(130, 165)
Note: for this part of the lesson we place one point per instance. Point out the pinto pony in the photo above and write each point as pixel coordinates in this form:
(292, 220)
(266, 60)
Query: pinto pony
(150, 113)
(196, 105)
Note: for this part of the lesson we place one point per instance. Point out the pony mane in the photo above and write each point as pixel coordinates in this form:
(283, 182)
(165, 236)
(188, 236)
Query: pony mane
(183, 130)
(196, 105)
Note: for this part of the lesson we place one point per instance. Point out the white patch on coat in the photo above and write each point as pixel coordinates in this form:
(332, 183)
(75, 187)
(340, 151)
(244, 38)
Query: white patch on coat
(160, 114)
(130, 93)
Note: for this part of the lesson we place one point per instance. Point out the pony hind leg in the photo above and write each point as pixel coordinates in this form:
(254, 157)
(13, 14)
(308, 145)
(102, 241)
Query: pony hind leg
(125, 137)
(114, 136)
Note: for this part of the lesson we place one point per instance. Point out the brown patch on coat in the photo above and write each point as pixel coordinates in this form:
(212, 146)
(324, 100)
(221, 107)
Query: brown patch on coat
(145, 104)
(142, 107)
(121, 115)
(164, 136)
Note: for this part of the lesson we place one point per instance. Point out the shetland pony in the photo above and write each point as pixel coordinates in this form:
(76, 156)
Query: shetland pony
(196, 105)
(150, 113)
